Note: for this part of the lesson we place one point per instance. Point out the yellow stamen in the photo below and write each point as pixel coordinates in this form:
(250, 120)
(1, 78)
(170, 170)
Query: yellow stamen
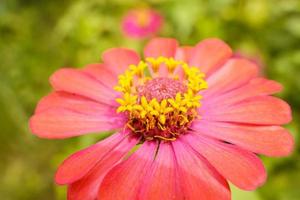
(151, 114)
(164, 138)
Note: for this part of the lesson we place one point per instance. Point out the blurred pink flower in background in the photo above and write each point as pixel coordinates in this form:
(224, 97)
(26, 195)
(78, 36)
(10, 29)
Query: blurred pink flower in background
(141, 23)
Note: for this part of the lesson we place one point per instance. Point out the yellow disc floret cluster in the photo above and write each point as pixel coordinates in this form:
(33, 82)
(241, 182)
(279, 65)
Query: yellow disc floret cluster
(170, 110)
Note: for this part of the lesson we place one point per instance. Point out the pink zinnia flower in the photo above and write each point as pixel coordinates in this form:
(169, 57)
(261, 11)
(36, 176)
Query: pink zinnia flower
(141, 23)
(198, 115)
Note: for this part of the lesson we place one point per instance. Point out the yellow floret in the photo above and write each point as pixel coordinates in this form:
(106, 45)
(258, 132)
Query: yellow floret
(153, 113)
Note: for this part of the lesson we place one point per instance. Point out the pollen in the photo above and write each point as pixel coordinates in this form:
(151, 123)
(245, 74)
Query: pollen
(160, 107)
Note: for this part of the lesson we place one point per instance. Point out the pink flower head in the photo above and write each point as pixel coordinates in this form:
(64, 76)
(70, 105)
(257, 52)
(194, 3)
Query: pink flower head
(198, 115)
(141, 23)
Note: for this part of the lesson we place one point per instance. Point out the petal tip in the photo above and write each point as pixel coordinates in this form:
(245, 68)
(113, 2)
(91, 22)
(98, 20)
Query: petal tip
(161, 47)
(214, 41)
(288, 146)
(32, 127)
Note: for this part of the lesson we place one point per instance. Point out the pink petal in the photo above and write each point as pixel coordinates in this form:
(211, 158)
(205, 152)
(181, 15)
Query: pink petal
(77, 82)
(264, 110)
(256, 87)
(119, 59)
(184, 53)
(209, 55)
(267, 140)
(125, 179)
(102, 73)
(199, 180)
(233, 74)
(161, 47)
(75, 103)
(87, 187)
(81, 162)
(64, 123)
(161, 182)
(241, 167)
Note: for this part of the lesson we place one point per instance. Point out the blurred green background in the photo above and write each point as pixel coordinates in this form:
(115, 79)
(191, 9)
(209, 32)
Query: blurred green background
(39, 36)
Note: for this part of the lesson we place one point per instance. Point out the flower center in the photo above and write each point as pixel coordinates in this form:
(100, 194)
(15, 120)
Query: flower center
(160, 107)
(161, 88)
